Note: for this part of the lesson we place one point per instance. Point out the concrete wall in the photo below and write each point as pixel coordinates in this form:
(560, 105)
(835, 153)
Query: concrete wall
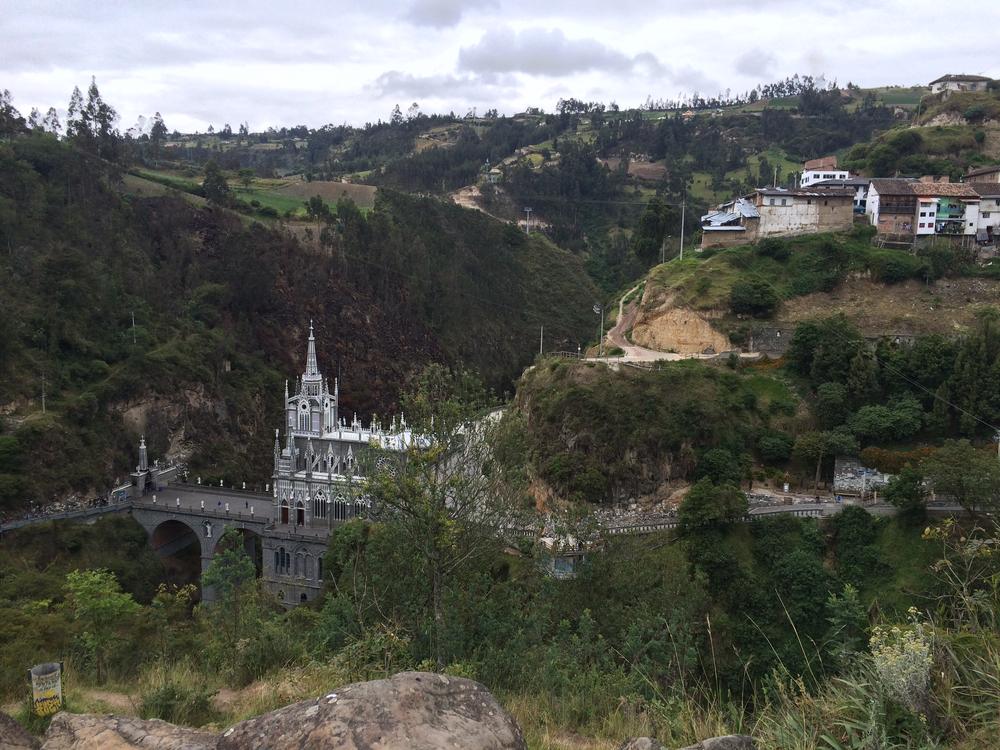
(805, 215)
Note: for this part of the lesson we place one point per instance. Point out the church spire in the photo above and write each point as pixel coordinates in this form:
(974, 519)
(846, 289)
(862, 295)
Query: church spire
(312, 369)
(143, 459)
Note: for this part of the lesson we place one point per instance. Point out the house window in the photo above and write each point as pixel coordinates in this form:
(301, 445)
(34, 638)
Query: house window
(771, 203)
(923, 213)
(783, 201)
(921, 225)
(986, 214)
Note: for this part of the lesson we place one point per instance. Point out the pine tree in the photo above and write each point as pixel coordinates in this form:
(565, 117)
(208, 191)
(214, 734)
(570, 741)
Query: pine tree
(51, 122)
(76, 125)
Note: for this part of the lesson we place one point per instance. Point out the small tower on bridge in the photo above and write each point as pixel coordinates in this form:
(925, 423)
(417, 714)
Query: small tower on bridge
(141, 477)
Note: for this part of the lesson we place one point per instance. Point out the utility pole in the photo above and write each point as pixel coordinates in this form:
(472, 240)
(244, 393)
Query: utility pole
(133, 328)
(527, 220)
(43, 393)
(775, 183)
(683, 203)
(541, 340)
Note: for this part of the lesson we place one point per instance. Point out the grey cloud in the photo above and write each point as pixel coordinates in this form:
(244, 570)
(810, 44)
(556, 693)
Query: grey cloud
(442, 13)
(692, 79)
(755, 62)
(548, 52)
(478, 88)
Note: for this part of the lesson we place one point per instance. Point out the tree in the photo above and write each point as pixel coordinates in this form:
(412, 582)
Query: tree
(969, 476)
(830, 406)
(157, 134)
(397, 116)
(76, 124)
(317, 208)
(815, 446)
(449, 494)
(710, 504)
(102, 609)
(214, 185)
(232, 575)
(753, 296)
(51, 122)
(906, 491)
(35, 119)
(101, 118)
(11, 121)
(246, 176)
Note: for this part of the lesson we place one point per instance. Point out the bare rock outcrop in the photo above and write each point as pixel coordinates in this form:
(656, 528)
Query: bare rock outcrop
(90, 732)
(411, 710)
(15, 737)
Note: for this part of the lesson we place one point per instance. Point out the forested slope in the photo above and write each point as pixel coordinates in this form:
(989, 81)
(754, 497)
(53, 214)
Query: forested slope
(221, 309)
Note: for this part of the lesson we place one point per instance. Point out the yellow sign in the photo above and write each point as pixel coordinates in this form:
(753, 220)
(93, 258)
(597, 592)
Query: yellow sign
(46, 688)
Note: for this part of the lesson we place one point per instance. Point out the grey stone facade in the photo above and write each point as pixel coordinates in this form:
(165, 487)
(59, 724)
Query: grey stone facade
(317, 484)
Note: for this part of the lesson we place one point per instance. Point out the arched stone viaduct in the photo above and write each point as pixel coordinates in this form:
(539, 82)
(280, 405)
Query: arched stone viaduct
(178, 516)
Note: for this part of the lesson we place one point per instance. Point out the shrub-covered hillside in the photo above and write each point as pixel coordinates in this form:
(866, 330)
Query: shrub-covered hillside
(221, 310)
(599, 435)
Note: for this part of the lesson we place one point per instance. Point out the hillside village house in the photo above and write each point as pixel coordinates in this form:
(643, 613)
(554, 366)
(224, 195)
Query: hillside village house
(960, 82)
(909, 209)
(983, 174)
(988, 226)
(824, 168)
(778, 212)
(858, 184)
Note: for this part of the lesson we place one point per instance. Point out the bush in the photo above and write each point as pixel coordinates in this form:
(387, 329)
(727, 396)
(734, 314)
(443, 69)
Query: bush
(754, 296)
(772, 247)
(178, 703)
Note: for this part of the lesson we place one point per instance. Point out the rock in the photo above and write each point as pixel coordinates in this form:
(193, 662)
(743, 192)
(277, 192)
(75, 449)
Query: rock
(728, 742)
(90, 732)
(641, 743)
(15, 737)
(409, 711)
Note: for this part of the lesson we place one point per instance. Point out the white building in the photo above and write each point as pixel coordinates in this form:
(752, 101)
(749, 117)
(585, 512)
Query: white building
(818, 170)
(959, 82)
(988, 225)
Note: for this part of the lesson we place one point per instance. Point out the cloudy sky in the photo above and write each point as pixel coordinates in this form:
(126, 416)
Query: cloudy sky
(273, 63)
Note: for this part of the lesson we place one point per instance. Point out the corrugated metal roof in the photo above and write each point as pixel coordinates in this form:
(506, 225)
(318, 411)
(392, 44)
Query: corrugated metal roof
(746, 209)
(719, 217)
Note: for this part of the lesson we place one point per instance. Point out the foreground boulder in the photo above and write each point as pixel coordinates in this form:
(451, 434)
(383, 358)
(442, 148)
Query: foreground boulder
(411, 711)
(729, 742)
(89, 732)
(15, 737)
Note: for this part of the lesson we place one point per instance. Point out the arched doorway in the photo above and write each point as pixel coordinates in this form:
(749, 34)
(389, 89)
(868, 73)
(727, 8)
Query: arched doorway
(179, 547)
(300, 514)
(284, 511)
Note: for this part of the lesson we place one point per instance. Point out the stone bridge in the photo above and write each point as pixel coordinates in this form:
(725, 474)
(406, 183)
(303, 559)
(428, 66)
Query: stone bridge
(178, 516)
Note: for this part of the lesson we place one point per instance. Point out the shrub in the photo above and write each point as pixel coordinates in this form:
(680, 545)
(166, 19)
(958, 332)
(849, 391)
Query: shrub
(178, 703)
(754, 296)
(772, 247)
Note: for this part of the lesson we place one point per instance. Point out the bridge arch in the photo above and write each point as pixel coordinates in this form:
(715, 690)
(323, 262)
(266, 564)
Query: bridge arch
(180, 547)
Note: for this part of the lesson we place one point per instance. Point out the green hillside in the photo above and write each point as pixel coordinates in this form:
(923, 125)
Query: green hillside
(221, 306)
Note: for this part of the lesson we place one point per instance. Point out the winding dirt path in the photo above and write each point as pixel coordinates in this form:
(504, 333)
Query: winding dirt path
(616, 336)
